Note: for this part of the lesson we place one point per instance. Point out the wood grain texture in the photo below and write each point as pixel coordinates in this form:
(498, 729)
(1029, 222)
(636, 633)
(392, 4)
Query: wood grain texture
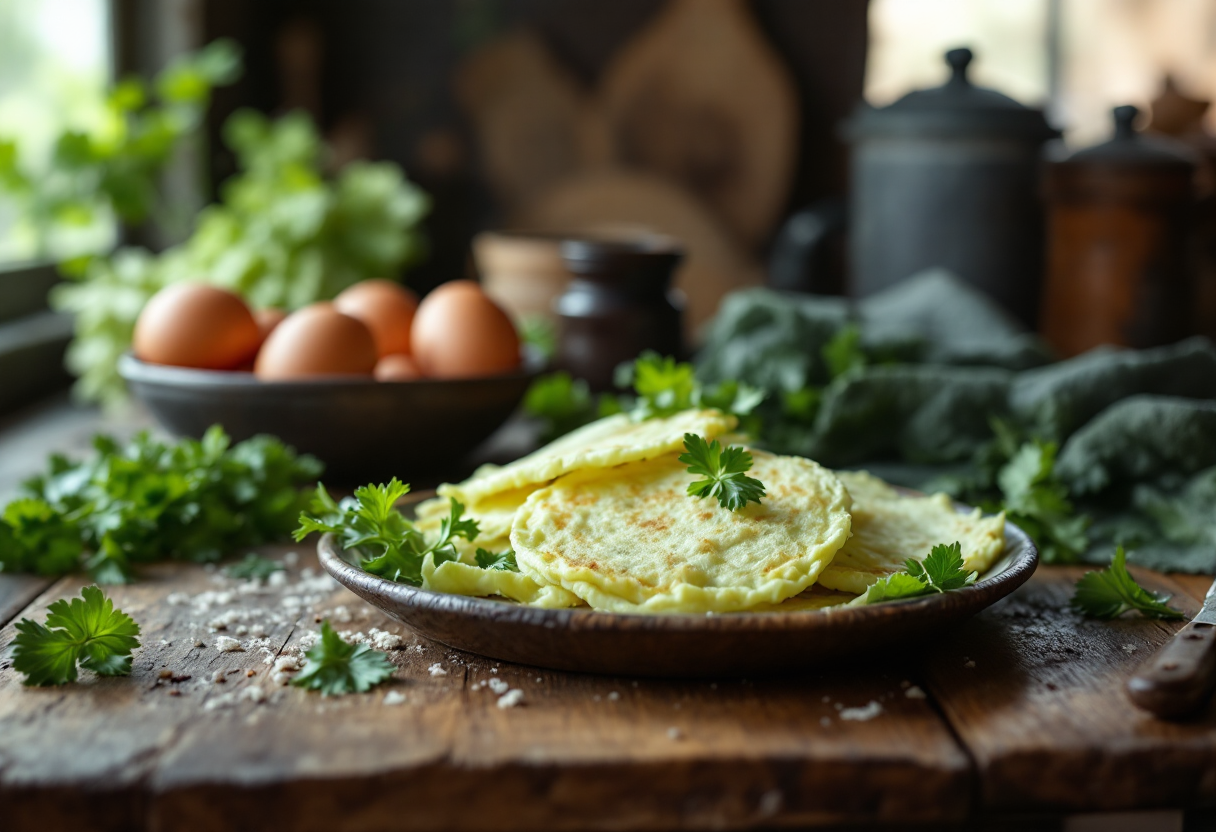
(1035, 693)
(579, 752)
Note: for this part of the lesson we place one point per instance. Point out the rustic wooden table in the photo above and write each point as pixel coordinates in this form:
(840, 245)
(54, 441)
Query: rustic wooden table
(1015, 721)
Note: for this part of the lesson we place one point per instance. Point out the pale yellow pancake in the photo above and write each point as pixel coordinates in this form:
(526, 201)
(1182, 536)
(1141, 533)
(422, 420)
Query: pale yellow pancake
(462, 579)
(630, 539)
(890, 527)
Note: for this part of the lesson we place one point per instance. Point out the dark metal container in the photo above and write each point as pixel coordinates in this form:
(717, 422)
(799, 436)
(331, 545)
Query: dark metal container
(947, 177)
(620, 303)
(1119, 232)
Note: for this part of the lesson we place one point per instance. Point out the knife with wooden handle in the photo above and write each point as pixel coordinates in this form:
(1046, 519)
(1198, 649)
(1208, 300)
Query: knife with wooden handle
(1180, 678)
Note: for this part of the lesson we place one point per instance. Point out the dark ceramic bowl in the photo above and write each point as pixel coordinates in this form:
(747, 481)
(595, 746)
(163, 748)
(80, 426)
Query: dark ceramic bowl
(687, 646)
(362, 429)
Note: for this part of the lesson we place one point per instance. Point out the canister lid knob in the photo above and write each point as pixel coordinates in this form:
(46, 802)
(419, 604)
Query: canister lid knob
(1125, 121)
(959, 60)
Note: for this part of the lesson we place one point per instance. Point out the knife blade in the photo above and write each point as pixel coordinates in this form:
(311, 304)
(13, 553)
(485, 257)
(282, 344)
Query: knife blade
(1179, 679)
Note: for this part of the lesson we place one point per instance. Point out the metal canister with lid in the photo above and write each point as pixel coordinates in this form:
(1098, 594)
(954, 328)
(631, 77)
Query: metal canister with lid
(947, 177)
(1119, 219)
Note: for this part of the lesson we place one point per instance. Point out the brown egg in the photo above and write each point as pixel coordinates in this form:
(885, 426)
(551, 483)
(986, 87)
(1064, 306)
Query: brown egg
(386, 307)
(460, 333)
(398, 367)
(317, 341)
(196, 325)
(268, 319)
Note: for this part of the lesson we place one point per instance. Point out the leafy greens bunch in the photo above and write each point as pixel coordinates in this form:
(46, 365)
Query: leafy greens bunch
(87, 631)
(282, 235)
(112, 170)
(941, 571)
(369, 524)
(149, 500)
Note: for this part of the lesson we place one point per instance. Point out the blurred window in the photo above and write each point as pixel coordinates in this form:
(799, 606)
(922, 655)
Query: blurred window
(55, 62)
(1079, 58)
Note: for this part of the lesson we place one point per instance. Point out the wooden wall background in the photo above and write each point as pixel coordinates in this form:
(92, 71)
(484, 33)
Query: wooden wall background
(381, 78)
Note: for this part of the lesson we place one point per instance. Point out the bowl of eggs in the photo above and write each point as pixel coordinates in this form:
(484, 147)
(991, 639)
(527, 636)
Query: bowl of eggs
(373, 383)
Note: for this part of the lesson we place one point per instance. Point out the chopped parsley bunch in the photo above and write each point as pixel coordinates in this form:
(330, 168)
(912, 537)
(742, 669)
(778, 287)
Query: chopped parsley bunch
(369, 524)
(149, 500)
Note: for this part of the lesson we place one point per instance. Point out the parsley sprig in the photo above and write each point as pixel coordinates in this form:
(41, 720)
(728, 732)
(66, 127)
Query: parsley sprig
(1108, 593)
(724, 472)
(335, 667)
(370, 524)
(501, 561)
(254, 567)
(941, 571)
(87, 631)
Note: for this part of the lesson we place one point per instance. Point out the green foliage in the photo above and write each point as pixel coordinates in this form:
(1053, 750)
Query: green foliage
(1109, 593)
(941, 571)
(336, 668)
(282, 236)
(390, 545)
(1034, 499)
(149, 500)
(87, 631)
(724, 472)
(503, 561)
(113, 169)
(253, 567)
(561, 403)
(843, 352)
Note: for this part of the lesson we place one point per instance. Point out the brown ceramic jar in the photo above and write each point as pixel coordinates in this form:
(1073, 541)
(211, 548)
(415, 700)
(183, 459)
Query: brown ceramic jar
(1118, 242)
(620, 303)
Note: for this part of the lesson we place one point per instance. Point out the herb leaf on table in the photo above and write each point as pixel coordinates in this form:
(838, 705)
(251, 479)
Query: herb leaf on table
(724, 472)
(1108, 593)
(941, 571)
(1035, 499)
(370, 524)
(87, 631)
(253, 567)
(336, 668)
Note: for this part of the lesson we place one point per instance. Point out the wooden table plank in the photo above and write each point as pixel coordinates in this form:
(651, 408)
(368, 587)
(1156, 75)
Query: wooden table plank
(573, 755)
(1034, 692)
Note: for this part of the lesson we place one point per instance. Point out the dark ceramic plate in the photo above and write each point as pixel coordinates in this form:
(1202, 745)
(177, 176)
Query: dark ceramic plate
(360, 428)
(740, 644)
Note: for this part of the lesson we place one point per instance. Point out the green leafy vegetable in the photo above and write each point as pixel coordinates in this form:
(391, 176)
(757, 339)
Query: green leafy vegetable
(254, 566)
(87, 631)
(1109, 593)
(370, 524)
(148, 500)
(503, 561)
(724, 472)
(941, 571)
(112, 169)
(336, 668)
(561, 402)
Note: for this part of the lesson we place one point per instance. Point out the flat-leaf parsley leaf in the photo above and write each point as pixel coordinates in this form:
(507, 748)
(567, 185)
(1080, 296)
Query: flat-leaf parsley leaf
(724, 472)
(86, 630)
(941, 571)
(335, 667)
(1111, 592)
(502, 561)
(370, 524)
